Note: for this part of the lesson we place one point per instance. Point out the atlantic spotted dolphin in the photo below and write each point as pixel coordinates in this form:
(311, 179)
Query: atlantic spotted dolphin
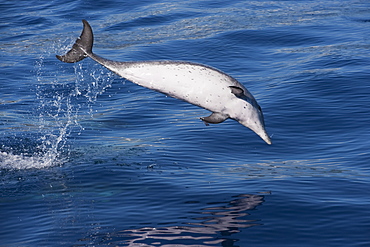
(195, 83)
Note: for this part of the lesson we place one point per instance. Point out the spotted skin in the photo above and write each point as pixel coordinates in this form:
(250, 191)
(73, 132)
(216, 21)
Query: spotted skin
(195, 83)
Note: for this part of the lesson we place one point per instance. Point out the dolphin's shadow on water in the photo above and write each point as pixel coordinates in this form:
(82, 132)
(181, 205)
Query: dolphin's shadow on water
(213, 228)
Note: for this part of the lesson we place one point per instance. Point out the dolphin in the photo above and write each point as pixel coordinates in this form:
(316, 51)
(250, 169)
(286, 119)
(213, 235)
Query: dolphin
(197, 84)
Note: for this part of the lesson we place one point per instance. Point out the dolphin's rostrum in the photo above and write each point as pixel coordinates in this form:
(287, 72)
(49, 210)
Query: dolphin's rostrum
(197, 84)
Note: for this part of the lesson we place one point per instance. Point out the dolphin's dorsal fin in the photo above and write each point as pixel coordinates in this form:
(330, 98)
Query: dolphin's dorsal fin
(214, 118)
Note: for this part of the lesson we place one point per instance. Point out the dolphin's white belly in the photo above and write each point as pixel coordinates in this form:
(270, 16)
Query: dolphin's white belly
(194, 83)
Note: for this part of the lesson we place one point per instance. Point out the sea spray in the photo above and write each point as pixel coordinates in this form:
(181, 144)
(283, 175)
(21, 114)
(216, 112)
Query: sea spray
(62, 101)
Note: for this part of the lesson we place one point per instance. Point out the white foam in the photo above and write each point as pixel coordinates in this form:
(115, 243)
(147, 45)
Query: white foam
(22, 161)
(59, 110)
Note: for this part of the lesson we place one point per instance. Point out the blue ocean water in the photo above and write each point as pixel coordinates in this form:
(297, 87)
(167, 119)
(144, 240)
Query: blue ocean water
(90, 159)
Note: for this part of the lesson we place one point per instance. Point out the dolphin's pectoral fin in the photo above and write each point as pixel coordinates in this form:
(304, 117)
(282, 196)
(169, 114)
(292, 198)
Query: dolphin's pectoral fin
(241, 94)
(214, 118)
(237, 91)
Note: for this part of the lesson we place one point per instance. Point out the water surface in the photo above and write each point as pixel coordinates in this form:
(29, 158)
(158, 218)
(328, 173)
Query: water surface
(90, 159)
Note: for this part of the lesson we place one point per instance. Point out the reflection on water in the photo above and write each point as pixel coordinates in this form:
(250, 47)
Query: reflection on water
(213, 228)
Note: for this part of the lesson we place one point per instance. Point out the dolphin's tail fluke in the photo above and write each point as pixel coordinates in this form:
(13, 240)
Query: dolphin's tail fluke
(82, 48)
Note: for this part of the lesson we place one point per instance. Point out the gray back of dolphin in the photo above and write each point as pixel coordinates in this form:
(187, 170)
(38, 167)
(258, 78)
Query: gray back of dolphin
(195, 83)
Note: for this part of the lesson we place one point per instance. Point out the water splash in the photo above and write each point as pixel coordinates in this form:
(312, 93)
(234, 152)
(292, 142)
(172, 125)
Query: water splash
(62, 100)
